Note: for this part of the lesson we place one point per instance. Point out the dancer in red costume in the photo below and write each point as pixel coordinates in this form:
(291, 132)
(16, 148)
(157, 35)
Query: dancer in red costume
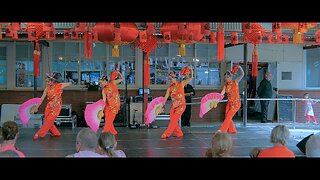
(111, 96)
(176, 92)
(234, 103)
(53, 91)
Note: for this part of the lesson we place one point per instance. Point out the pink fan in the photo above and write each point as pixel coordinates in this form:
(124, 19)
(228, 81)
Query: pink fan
(208, 102)
(28, 108)
(93, 114)
(154, 108)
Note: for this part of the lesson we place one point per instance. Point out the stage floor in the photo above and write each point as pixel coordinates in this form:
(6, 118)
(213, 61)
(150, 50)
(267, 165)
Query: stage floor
(145, 142)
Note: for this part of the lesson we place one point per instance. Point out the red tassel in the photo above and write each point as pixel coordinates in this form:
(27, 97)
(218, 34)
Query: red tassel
(146, 69)
(220, 45)
(143, 36)
(255, 61)
(88, 45)
(213, 36)
(36, 60)
(270, 37)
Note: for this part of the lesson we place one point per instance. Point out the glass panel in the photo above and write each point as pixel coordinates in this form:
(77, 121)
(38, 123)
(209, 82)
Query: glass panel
(72, 49)
(58, 49)
(214, 74)
(99, 50)
(202, 50)
(24, 73)
(202, 72)
(3, 65)
(126, 66)
(22, 51)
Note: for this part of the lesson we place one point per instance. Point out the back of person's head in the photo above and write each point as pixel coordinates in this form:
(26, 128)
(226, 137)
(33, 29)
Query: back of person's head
(86, 140)
(107, 142)
(313, 146)
(280, 134)
(255, 152)
(9, 130)
(221, 145)
(9, 154)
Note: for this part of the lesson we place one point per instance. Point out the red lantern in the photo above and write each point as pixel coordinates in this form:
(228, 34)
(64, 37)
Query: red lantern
(116, 34)
(278, 37)
(298, 29)
(234, 38)
(182, 33)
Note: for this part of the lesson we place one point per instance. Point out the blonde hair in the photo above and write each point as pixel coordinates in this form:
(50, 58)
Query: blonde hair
(313, 146)
(9, 130)
(107, 142)
(221, 145)
(87, 138)
(280, 134)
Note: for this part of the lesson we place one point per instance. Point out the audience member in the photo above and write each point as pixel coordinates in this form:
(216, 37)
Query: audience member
(10, 134)
(107, 145)
(221, 145)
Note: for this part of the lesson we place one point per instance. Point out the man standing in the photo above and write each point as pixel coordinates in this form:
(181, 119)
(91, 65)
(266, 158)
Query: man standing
(188, 92)
(265, 91)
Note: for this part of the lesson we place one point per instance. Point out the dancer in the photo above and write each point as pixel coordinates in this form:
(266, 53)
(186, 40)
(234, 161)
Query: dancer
(111, 96)
(309, 109)
(176, 92)
(53, 91)
(234, 103)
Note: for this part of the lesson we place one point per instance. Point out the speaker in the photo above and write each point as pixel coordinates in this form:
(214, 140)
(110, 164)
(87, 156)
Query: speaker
(65, 111)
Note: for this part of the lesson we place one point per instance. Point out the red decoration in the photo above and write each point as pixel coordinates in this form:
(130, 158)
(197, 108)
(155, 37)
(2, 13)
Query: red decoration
(299, 29)
(181, 33)
(255, 61)
(213, 36)
(317, 36)
(205, 28)
(234, 38)
(276, 27)
(270, 37)
(66, 34)
(278, 37)
(220, 40)
(88, 45)
(143, 36)
(246, 27)
(116, 34)
(150, 29)
(36, 61)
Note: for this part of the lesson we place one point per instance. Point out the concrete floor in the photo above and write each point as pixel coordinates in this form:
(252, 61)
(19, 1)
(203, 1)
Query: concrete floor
(145, 142)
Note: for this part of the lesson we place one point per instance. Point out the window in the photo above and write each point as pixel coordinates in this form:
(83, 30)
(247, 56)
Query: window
(201, 57)
(3, 66)
(24, 66)
(313, 68)
(68, 59)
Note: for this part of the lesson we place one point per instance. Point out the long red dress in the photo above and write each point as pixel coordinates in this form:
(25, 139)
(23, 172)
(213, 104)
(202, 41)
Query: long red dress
(233, 105)
(112, 107)
(52, 110)
(177, 108)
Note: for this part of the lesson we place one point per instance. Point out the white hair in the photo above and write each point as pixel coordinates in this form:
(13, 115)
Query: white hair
(313, 146)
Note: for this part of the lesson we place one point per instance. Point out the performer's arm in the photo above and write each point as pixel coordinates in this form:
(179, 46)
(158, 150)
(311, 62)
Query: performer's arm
(104, 97)
(167, 94)
(241, 75)
(42, 98)
(118, 80)
(184, 82)
(223, 90)
(65, 84)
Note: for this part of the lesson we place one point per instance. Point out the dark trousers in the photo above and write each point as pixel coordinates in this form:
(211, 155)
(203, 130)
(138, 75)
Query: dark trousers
(264, 110)
(185, 118)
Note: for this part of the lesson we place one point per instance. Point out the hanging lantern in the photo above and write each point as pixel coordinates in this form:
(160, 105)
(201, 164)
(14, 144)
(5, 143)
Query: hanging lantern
(213, 36)
(143, 36)
(182, 33)
(298, 30)
(116, 34)
(256, 34)
(276, 27)
(220, 40)
(234, 38)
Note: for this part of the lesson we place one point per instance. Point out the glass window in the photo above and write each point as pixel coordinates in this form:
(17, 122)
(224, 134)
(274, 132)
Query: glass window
(3, 66)
(126, 66)
(313, 68)
(24, 66)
